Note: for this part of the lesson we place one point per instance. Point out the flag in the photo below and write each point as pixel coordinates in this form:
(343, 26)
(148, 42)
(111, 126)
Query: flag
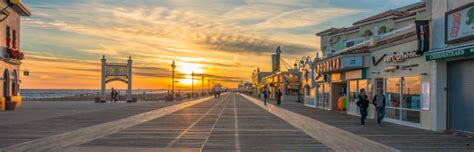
(423, 35)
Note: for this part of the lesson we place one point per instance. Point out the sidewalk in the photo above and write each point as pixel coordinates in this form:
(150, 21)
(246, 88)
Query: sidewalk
(397, 136)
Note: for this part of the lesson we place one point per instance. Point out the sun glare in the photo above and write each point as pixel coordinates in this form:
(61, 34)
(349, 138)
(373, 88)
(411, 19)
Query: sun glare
(187, 81)
(188, 68)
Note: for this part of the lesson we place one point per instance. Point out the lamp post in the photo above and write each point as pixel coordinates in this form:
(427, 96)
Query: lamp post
(202, 85)
(173, 66)
(192, 85)
(298, 65)
(209, 85)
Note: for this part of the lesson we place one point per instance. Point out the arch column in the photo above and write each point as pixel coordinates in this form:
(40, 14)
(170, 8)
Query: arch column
(102, 90)
(129, 74)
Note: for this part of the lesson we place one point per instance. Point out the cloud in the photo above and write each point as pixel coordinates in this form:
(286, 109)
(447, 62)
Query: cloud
(305, 17)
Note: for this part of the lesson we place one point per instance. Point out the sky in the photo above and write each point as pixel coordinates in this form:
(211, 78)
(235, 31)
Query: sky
(222, 40)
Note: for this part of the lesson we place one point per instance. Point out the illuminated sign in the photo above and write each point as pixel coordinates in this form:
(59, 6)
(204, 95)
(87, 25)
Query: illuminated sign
(400, 57)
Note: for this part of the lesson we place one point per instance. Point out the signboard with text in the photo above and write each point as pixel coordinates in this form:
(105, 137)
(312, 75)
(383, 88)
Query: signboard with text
(116, 70)
(459, 24)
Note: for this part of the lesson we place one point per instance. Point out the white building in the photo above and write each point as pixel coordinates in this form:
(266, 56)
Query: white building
(375, 53)
(452, 65)
(11, 52)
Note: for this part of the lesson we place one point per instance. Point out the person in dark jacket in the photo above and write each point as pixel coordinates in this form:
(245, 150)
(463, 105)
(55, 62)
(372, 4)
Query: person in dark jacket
(379, 102)
(278, 95)
(363, 104)
(265, 96)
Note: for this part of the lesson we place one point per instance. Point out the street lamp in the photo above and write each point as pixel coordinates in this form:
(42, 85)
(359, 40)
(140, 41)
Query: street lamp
(192, 85)
(173, 66)
(299, 66)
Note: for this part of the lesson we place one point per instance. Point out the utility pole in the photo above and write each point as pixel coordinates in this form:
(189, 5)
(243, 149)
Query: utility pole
(192, 85)
(209, 85)
(173, 66)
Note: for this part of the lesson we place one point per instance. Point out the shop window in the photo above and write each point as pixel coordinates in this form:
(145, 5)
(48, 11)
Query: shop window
(393, 98)
(411, 99)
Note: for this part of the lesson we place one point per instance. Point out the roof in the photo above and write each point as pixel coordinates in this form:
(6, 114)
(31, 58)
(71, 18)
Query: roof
(345, 29)
(330, 30)
(360, 50)
(21, 9)
(394, 39)
(381, 15)
(417, 6)
(399, 13)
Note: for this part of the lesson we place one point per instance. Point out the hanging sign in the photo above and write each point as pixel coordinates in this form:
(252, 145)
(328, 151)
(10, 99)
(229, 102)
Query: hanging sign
(423, 36)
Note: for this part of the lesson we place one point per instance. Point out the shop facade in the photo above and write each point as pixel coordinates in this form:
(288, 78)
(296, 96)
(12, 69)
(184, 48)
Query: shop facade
(451, 64)
(286, 82)
(404, 76)
(332, 77)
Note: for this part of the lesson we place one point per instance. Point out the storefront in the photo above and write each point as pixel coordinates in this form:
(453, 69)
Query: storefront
(452, 64)
(357, 80)
(286, 82)
(404, 77)
(332, 78)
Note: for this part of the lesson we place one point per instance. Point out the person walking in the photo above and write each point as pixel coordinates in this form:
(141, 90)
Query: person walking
(116, 95)
(363, 104)
(278, 95)
(379, 102)
(112, 95)
(265, 96)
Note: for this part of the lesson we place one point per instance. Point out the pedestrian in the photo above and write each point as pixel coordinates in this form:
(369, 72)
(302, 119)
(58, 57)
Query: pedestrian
(363, 104)
(279, 94)
(379, 102)
(116, 95)
(265, 96)
(218, 94)
(112, 94)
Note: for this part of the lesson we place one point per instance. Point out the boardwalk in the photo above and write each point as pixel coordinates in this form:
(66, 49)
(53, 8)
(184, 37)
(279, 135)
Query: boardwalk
(232, 123)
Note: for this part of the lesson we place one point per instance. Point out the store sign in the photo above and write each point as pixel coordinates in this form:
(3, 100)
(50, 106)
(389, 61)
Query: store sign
(450, 54)
(459, 24)
(401, 57)
(350, 62)
(357, 74)
(391, 68)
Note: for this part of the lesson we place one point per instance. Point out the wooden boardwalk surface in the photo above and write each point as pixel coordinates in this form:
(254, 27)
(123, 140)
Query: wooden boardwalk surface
(400, 137)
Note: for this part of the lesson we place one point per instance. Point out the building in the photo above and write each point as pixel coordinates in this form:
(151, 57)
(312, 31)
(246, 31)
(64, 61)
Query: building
(257, 81)
(12, 54)
(379, 52)
(285, 81)
(451, 62)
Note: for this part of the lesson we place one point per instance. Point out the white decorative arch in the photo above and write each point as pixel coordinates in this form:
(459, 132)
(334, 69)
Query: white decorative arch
(116, 72)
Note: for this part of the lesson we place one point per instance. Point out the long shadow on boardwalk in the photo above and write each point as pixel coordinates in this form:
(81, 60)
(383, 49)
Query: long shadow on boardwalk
(397, 136)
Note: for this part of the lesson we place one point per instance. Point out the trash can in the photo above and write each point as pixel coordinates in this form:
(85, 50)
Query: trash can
(97, 99)
(10, 105)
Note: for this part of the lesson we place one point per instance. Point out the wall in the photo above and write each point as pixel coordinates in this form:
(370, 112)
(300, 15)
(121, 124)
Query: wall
(438, 68)
(13, 21)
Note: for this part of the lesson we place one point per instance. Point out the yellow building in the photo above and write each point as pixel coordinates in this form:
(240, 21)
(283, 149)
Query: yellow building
(11, 52)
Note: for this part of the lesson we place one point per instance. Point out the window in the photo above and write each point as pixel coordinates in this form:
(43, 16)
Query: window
(8, 37)
(382, 30)
(403, 98)
(411, 99)
(14, 39)
(368, 33)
